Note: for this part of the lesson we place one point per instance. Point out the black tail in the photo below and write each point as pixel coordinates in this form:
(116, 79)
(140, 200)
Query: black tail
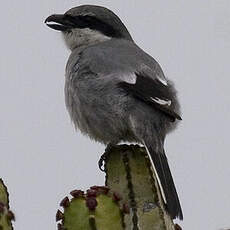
(161, 165)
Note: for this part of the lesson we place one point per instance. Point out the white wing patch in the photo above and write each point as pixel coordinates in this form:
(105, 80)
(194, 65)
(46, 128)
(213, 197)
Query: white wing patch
(160, 77)
(162, 80)
(130, 78)
(161, 101)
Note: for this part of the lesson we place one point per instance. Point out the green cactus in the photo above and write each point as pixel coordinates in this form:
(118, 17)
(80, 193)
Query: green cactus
(138, 205)
(97, 209)
(129, 171)
(6, 216)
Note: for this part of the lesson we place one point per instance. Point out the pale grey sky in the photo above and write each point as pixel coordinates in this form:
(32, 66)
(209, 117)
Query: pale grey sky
(42, 158)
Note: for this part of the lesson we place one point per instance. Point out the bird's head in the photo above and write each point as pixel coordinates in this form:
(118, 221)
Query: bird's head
(87, 25)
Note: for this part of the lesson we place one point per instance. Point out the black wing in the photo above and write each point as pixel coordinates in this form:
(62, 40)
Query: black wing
(153, 92)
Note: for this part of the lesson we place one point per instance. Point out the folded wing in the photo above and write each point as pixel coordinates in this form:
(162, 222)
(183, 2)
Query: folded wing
(152, 91)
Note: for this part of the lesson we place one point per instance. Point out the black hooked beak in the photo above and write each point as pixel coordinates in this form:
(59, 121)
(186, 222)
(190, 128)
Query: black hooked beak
(60, 22)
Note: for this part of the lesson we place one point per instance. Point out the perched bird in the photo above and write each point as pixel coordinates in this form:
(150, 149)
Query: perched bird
(115, 91)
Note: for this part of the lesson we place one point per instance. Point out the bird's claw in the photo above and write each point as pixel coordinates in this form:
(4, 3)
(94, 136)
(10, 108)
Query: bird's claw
(101, 162)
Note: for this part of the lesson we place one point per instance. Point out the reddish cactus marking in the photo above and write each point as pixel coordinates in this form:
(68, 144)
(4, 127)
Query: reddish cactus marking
(91, 193)
(125, 208)
(116, 197)
(10, 216)
(177, 227)
(77, 193)
(65, 202)
(91, 203)
(101, 189)
(1, 209)
(59, 215)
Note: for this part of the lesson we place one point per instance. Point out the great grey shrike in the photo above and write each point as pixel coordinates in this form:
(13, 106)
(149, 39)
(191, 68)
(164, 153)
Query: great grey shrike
(115, 91)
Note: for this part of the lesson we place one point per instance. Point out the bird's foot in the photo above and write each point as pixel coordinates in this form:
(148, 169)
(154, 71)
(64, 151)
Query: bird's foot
(101, 162)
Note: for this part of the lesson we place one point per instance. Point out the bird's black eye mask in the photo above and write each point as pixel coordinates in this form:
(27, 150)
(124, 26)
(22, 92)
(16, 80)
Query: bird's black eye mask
(93, 23)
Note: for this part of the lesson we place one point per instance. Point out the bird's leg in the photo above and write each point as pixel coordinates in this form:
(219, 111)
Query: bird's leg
(101, 162)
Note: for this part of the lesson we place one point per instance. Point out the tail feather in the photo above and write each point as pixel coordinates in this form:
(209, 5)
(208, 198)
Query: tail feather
(166, 182)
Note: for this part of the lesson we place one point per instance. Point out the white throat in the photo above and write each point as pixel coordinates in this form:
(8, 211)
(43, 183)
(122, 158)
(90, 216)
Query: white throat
(83, 37)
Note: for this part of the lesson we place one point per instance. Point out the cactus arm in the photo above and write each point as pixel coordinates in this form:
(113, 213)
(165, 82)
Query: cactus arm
(6, 216)
(98, 209)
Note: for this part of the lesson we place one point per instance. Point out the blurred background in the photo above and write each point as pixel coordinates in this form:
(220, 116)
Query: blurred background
(43, 158)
